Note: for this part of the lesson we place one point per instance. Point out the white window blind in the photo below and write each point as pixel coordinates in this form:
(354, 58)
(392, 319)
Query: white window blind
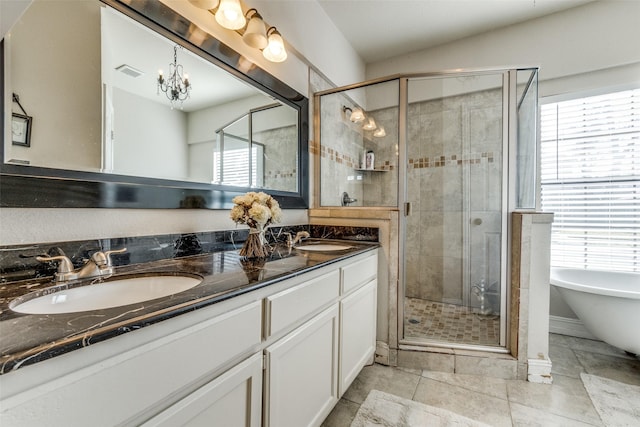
(236, 167)
(234, 163)
(590, 174)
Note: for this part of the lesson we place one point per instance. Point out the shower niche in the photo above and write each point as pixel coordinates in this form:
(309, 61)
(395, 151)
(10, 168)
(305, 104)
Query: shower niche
(456, 155)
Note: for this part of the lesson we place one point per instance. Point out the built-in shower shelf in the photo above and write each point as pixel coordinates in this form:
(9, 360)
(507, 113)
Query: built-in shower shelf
(372, 170)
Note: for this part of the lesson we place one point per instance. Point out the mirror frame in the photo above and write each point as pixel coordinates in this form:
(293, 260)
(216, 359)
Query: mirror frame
(38, 187)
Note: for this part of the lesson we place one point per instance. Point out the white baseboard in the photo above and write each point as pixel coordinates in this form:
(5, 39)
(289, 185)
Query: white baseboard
(539, 371)
(569, 326)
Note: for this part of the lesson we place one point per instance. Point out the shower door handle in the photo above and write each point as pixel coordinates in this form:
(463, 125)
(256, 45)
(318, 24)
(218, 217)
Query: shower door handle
(407, 208)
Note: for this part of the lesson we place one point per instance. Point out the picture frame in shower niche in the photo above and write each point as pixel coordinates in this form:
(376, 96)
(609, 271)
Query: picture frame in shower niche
(21, 129)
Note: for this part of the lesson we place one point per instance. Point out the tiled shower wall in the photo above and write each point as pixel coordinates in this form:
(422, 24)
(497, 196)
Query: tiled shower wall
(454, 181)
(380, 188)
(340, 152)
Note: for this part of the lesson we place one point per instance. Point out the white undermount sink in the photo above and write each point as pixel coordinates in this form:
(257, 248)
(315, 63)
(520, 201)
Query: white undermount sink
(106, 294)
(323, 247)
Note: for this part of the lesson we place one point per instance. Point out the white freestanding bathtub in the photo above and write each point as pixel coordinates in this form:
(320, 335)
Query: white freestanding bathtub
(607, 303)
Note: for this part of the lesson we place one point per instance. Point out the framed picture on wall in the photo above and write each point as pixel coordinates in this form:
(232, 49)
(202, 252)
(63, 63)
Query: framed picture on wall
(21, 130)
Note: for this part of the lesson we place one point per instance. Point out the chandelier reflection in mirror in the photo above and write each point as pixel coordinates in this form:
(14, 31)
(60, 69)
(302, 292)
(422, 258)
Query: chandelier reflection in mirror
(176, 86)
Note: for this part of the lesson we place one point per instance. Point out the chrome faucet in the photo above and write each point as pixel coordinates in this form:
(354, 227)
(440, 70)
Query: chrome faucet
(99, 265)
(300, 235)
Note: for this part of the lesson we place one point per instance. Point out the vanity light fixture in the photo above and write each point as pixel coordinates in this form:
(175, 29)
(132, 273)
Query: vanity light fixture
(177, 86)
(229, 15)
(251, 26)
(356, 115)
(380, 132)
(255, 35)
(370, 124)
(275, 51)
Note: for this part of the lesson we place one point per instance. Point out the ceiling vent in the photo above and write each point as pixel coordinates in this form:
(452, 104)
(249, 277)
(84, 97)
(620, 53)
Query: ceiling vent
(129, 70)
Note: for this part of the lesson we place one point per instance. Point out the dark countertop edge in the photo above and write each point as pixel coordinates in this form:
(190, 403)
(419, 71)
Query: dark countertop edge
(48, 350)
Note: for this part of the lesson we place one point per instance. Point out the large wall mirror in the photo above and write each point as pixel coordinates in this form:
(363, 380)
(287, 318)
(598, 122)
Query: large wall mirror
(85, 124)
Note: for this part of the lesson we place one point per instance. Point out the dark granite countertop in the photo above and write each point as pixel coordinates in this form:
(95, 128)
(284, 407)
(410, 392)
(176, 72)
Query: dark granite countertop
(30, 338)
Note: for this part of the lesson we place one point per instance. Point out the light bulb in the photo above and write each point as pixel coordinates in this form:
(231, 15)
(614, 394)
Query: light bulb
(255, 35)
(380, 132)
(229, 15)
(370, 125)
(205, 4)
(275, 51)
(356, 115)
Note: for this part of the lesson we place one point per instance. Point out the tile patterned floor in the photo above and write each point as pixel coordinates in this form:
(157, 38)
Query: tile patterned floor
(500, 402)
(449, 323)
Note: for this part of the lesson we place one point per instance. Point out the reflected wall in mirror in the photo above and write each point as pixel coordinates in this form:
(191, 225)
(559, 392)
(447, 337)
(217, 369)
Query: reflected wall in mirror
(88, 75)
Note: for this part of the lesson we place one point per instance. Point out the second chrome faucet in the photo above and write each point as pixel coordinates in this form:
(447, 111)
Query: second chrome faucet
(99, 265)
(300, 235)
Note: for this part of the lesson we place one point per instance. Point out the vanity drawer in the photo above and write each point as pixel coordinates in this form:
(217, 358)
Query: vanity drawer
(358, 273)
(291, 305)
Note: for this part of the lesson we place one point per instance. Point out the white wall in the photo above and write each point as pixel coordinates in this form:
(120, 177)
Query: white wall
(10, 12)
(307, 28)
(63, 101)
(150, 138)
(597, 36)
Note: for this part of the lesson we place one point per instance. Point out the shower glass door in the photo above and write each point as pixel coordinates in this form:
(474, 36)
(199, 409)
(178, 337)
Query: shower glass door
(456, 211)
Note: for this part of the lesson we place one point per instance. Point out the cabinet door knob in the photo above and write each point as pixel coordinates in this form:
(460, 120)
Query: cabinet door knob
(477, 221)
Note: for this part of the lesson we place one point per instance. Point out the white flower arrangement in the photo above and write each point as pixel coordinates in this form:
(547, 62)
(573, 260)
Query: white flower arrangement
(257, 210)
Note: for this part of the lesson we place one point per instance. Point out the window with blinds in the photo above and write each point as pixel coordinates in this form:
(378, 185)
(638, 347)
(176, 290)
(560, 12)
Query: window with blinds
(590, 175)
(236, 170)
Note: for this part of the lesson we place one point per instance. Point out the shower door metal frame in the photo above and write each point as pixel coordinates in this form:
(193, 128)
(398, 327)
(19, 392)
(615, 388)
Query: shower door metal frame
(509, 135)
(396, 339)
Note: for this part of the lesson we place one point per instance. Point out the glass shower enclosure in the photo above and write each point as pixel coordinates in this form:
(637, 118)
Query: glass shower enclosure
(455, 152)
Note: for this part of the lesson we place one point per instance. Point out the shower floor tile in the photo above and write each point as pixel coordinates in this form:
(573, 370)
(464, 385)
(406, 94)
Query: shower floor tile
(451, 323)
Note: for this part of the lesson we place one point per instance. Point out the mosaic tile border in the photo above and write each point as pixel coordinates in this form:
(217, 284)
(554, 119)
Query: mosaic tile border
(335, 156)
(451, 160)
(280, 174)
(414, 163)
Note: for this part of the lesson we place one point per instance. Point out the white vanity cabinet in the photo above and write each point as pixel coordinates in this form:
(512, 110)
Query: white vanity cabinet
(300, 373)
(309, 369)
(357, 333)
(233, 399)
(278, 356)
(302, 367)
(357, 319)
